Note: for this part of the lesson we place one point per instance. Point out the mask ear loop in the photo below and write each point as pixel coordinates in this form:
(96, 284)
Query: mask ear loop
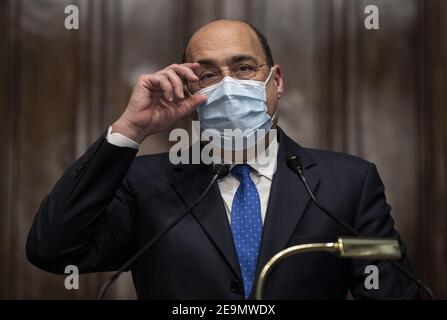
(270, 75)
(265, 83)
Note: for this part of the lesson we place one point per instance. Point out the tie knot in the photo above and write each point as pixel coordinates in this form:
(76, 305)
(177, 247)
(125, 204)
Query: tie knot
(241, 171)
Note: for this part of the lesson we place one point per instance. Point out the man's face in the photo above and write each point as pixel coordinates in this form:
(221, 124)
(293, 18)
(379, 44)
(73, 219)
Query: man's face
(224, 44)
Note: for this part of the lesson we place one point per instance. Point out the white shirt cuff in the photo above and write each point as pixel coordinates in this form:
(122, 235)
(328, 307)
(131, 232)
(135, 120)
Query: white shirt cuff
(120, 140)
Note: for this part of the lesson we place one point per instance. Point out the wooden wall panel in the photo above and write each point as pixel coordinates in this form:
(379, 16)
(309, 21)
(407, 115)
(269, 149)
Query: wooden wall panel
(154, 36)
(8, 31)
(431, 257)
(376, 94)
(385, 103)
(45, 134)
(298, 33)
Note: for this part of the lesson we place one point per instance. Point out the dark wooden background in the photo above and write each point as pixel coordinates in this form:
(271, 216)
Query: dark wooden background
(381, 95)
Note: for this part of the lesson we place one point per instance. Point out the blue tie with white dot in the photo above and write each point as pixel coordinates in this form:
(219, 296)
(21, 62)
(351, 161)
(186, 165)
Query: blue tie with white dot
(246, 224)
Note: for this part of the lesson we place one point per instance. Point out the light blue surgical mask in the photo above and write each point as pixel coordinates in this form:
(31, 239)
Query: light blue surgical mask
(235, 104)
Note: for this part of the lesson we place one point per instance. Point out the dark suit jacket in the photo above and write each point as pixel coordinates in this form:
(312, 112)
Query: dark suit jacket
(109, 203)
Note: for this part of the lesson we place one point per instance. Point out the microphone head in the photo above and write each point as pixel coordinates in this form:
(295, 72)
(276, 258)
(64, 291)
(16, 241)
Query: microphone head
(294, 162)
(222, 170)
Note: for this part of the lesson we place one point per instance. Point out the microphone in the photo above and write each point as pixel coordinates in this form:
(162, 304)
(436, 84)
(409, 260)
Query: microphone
(294, 163)
(219, 171)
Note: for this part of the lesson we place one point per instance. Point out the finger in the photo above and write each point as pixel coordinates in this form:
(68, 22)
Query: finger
(192, 65)
(185, 71)
(157, 94)
(176, 82)
(165, 85)
(192, 103)
(148, 82)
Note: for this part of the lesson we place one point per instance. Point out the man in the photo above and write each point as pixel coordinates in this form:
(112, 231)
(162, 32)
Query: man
(109, 203)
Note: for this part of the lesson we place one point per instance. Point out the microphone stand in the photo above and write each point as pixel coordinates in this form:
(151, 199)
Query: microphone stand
(220, 171)
(346, 247)
(294, 164)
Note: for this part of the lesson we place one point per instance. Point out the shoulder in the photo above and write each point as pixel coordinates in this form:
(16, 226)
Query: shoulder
(328, 162)
(154, 167)
(346, 176)
(337, 160)
(342, 167)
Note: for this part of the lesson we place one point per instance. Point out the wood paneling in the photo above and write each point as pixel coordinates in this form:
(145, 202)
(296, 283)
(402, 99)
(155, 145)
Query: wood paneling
(431, 222)
(376, 94)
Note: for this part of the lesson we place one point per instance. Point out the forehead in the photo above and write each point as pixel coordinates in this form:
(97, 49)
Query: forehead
(220, 42)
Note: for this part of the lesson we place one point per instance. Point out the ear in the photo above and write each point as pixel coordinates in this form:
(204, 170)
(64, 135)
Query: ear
(278, 80)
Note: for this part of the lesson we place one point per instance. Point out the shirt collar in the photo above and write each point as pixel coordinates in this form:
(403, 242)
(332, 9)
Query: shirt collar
(267, 166)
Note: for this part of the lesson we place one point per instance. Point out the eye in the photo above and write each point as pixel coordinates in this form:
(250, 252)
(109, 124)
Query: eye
(207, 76)
(245, 67)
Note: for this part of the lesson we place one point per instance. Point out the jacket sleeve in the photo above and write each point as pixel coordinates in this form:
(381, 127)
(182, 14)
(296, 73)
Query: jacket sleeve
(87, 219)
(373, 219)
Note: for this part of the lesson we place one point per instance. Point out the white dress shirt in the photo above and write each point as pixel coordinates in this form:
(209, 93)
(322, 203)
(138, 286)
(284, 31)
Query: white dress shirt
(261, 175)
(120, 140)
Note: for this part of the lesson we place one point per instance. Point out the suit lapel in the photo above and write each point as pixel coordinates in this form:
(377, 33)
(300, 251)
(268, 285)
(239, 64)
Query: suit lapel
(287, 201)
(189, 182)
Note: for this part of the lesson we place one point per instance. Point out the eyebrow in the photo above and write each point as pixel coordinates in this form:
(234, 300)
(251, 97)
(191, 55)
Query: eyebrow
(241, 58)
(234, 59)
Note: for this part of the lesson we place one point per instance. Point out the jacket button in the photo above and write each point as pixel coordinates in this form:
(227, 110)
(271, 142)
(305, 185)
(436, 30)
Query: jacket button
(236, 286)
